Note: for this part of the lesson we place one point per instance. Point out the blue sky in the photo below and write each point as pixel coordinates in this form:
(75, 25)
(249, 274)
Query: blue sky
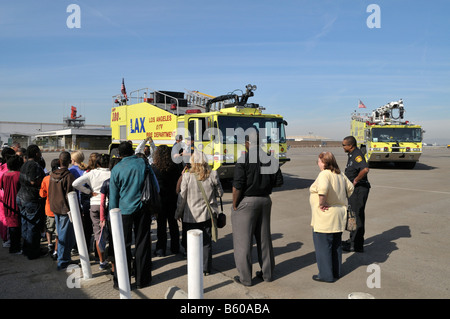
(311, 60)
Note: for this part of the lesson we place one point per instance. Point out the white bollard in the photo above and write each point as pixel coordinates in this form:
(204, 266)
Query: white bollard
(120, 254)
(195, 263)
(79, 235)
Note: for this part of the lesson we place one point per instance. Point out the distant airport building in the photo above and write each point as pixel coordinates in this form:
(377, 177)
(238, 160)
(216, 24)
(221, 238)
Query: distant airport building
(72, 134)
(56, 136)
(310, 137)
(75, 139)
(311, 141)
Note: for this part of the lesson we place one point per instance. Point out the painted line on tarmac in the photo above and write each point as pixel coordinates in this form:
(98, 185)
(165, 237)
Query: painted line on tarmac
(412, 189)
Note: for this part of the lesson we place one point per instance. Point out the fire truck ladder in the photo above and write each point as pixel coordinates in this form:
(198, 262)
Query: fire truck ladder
(208, 102)
(199, 99)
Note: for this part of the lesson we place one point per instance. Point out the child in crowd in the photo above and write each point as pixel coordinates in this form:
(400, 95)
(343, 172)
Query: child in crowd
(105, 222)
(94, 179)
(50, 217)
(10, 185)
(7, 152)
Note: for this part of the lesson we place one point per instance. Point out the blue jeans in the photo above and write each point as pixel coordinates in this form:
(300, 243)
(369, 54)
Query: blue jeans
(66, 240)
(31, 219)
(328, 255)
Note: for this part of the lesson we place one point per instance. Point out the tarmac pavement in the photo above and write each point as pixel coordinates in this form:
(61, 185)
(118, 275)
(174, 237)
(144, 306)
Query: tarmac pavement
(406, 248)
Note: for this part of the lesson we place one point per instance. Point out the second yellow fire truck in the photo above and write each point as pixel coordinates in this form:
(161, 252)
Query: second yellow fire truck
(385, 136)
(216, 124)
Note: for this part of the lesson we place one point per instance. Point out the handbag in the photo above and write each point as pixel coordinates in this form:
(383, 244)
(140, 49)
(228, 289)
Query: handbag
(221, 218)
(103, 239)
(351, 219)
(150, 193)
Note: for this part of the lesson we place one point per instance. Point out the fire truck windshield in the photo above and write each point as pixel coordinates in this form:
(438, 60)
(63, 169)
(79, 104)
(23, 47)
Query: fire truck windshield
(271, 130)
(389, 134)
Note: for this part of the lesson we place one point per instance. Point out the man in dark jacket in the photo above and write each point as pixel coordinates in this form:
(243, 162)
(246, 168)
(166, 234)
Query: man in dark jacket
(254, 177)
(356, 170)
(29, 203)
(60, 185)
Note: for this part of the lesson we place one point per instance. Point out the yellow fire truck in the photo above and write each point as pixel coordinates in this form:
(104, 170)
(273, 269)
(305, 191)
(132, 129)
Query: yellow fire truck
(216, 124)
(384, 136)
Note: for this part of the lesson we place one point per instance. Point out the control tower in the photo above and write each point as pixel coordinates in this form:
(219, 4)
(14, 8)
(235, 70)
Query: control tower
(74, 120)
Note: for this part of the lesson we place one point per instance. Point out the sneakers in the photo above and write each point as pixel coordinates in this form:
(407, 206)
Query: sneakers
(104, 265)
(66, 265)
(7, 244)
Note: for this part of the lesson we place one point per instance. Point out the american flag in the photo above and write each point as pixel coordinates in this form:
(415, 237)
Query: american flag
(124, 91)
(361, 105)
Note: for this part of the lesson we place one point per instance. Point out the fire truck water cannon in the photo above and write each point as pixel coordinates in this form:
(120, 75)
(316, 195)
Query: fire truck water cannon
(389, 112)
(235, 100)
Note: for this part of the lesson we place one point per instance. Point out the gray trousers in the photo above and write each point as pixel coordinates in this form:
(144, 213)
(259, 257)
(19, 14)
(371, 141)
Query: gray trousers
(252, 219)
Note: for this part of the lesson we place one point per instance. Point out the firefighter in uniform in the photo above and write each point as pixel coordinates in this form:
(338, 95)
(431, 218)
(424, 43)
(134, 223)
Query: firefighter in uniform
(356, 170)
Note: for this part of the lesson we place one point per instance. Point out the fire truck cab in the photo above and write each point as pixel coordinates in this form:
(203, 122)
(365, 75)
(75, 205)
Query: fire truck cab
(216, 124)
(384, 136)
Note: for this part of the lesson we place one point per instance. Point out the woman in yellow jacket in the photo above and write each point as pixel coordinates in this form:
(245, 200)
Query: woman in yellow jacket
(328, 200)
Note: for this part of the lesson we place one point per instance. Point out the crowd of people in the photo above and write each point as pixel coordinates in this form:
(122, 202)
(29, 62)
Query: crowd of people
(35, 206)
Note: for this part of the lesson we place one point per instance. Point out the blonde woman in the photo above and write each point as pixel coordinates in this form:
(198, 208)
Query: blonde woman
(78, 167)
(328, 200)
(191, 205)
